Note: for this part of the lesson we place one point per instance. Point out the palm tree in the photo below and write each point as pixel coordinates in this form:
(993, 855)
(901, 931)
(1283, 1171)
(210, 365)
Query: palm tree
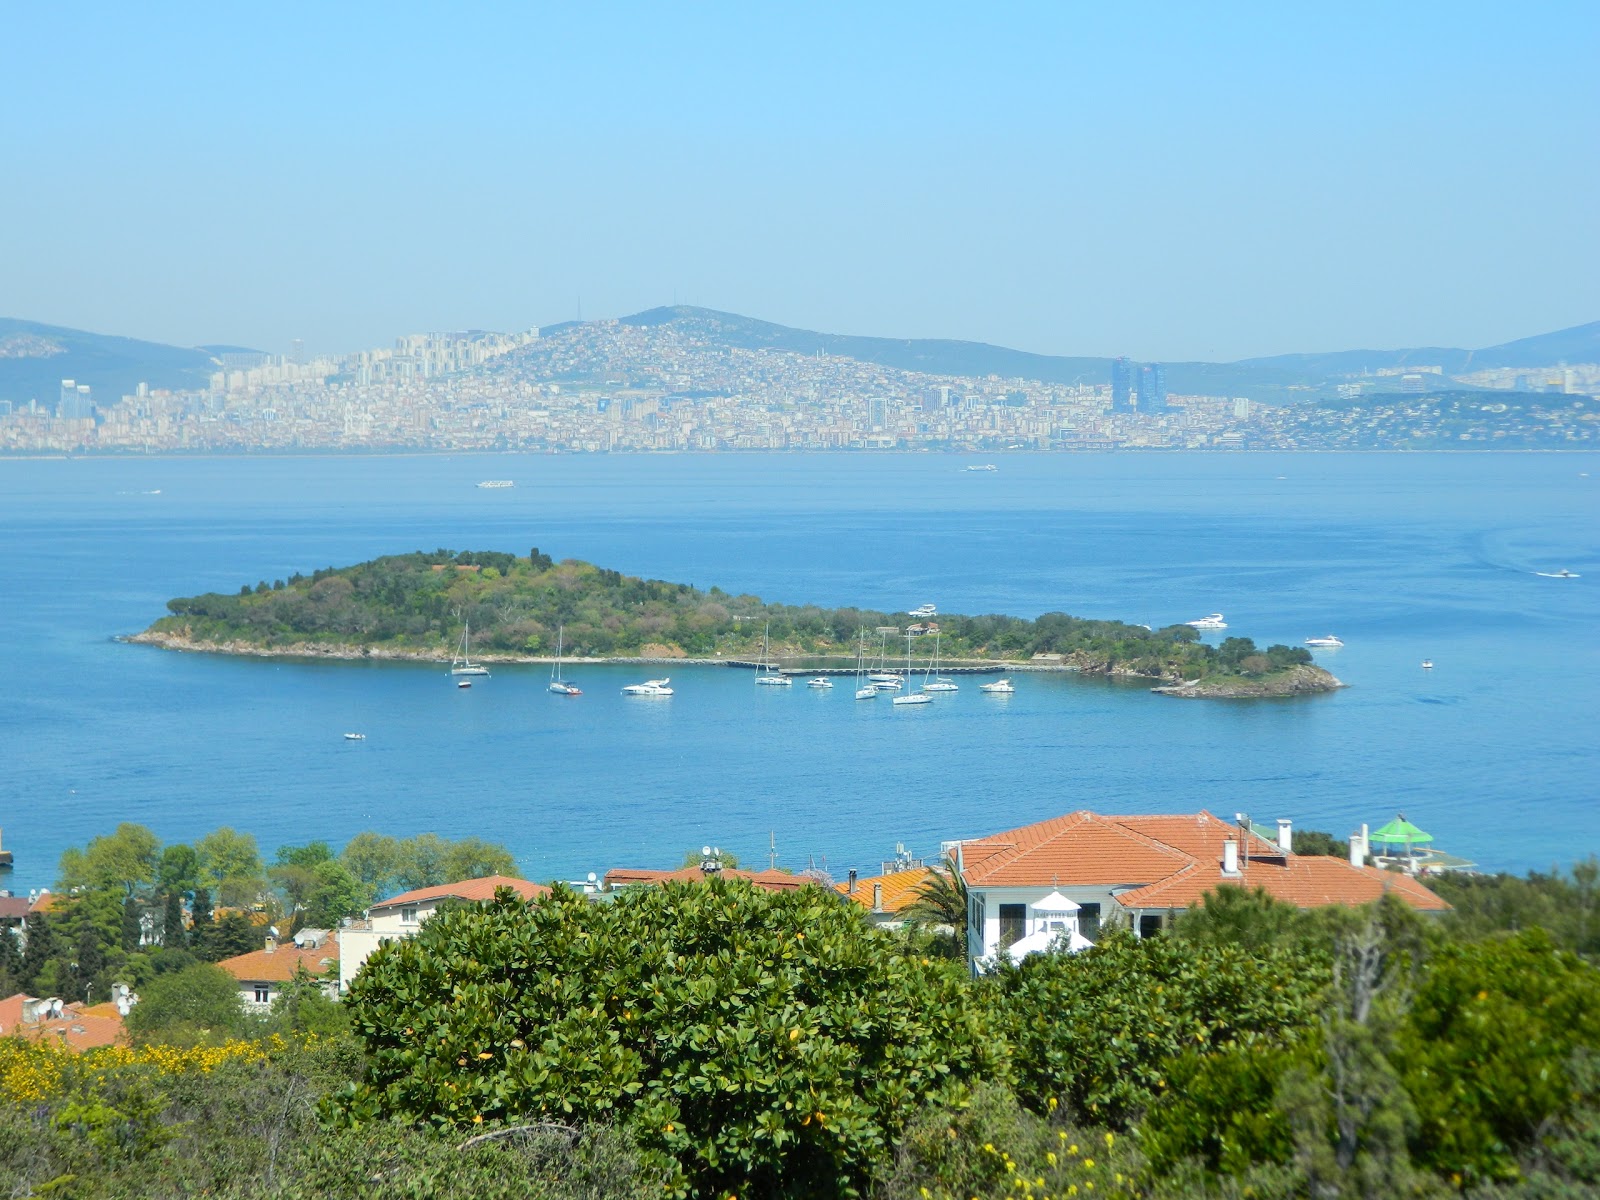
(941, 904)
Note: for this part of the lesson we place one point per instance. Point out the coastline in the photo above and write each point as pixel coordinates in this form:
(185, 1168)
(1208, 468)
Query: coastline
(1299, 681)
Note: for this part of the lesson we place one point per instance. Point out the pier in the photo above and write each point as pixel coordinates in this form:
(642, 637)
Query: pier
(984, 669)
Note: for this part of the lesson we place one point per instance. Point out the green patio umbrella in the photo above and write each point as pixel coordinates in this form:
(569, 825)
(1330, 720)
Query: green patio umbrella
(1401, 832)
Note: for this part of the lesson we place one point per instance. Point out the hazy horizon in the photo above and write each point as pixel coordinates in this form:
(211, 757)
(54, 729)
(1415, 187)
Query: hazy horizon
(1162, 183)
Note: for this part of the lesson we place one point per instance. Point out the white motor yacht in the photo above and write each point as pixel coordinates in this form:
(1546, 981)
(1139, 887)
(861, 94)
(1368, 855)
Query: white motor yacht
(1000, 687)
(1213, 621)
(1427, 664)
(924, 610)
(820, 681)
(650, 687)
(1561, 574)
(1330, 641)
(355, 737)
(888, 685)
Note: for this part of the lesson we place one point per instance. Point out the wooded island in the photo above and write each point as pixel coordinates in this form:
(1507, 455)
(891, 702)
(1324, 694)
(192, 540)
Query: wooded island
(418, 605)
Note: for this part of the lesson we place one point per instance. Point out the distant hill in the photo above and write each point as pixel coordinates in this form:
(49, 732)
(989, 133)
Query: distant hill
(1278, 378)
(35, 358)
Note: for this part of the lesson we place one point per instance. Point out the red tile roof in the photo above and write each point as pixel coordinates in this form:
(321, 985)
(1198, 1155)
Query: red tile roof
(1174, 860)
(770, 881)
(1079, 848)
(466, 889)
(899, 889)
(281, 964)
(77, 1028)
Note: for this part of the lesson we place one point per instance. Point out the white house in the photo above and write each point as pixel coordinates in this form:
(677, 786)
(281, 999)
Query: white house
(401, 916)
(263, 973)
(1140, 872)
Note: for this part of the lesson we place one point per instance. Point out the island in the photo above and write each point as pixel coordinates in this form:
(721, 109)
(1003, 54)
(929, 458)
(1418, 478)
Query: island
(423, 605)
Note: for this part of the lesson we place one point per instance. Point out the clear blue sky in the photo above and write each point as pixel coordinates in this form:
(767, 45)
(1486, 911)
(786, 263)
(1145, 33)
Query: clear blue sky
(1168, 181)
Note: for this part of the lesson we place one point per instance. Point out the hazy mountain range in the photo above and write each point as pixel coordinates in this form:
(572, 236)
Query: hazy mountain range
(34, 358)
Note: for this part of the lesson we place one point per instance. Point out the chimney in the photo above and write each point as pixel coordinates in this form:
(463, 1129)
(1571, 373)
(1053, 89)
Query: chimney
(272, 944)
(1285, 836)
(877, 897)
(852, 886)
(1358, 847)
(1230, 857)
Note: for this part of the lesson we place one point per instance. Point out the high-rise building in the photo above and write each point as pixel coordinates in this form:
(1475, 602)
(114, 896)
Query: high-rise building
(1121, 385)
(75, 403)
(1152, 388)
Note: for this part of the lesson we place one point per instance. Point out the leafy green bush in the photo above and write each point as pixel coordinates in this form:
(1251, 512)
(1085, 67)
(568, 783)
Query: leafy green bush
(1097, 1031)
(766, 1044)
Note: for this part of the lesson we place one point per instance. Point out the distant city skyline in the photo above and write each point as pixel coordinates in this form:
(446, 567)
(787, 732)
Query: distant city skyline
(1267, 181)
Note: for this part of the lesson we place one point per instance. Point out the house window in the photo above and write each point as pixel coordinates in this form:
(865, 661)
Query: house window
(408, 916)
(263, 993)
(1149, 924)
(976, 916)
(1013, 923)
(1089, 920)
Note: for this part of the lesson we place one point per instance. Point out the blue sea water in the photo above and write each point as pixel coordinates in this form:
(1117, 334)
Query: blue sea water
(1404, 557)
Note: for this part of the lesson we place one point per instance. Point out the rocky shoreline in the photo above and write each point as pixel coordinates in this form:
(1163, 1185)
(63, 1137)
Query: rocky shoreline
(1296, 681)
(1299, 681)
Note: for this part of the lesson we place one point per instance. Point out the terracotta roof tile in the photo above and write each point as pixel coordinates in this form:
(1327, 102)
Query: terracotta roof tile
(1199, 835)
(899, 889)
(1079, 848)
(466, 889)
(77, 1028)
(280, 965)
(1305, 881)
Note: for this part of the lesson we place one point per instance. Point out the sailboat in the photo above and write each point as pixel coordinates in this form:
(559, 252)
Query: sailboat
(766, 670)
(864, 688)
(461, 664)
(917, 697)
(939, 683)
(882, 678)
(559, 685)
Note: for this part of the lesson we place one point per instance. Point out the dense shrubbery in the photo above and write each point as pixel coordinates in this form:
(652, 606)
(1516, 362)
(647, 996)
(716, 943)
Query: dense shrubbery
(421, 601)
(715, 1041)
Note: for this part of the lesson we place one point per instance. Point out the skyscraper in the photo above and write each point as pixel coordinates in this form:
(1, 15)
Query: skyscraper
(1121, 385)
(1152, 388)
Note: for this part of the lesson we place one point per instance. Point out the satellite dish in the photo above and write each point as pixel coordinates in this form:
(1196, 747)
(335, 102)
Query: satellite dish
(591, 876)
(705, 851)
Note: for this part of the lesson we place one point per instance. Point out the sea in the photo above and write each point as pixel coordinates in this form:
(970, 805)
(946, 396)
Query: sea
(1494, 751)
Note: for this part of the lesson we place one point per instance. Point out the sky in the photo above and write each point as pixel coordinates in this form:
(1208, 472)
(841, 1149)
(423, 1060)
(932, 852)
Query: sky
(1165, 180)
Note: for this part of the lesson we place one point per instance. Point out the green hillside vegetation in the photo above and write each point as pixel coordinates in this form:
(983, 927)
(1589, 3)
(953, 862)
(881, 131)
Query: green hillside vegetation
(418, 604)
(707, 1041)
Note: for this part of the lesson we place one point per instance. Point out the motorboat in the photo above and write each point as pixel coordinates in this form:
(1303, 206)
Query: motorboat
(462, 663)
(355, 737)
(1561, 574)
(498, 483)
(767, 673)
(559, 685)
(888, 685)
(1427, 664)
(1212, 621)
(1000, 687)
(924, 610)
(1330, 641)
(819, 682)
(463, 683)
(983, 467)
(650, 687)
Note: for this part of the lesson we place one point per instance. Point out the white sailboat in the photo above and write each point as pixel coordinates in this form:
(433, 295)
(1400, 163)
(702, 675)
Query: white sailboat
(559, 685)
(917, 697)
(938, 682)
(864, 687)
(461, 664)
(767, 672)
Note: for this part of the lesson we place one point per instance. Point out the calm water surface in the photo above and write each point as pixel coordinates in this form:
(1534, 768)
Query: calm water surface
(1404, 557)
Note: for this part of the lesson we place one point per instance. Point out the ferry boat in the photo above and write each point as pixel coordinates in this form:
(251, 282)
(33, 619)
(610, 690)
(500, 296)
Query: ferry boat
(1330, 641)
(650, 687)
(498, 483)
(1212, 621)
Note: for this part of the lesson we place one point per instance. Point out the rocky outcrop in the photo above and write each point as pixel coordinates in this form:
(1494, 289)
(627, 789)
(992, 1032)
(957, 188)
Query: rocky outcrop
(1296, 681)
